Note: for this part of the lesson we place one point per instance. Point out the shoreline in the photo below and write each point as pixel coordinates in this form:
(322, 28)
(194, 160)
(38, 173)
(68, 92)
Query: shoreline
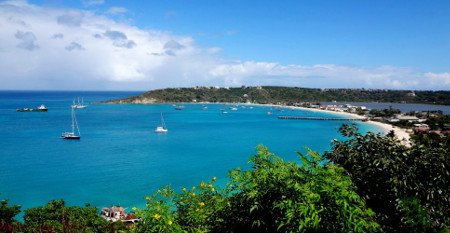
(401, 134)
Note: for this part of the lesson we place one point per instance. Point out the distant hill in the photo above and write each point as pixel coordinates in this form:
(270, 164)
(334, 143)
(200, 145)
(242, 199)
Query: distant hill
(284, 95)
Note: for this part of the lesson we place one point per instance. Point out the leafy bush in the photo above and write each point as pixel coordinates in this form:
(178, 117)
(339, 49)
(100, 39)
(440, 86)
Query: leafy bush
(57, 217)
(273, 196)
(398, 182)
(7, 214)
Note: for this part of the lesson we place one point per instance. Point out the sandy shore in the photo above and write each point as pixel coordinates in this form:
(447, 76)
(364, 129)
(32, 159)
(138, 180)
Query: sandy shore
(401, 134)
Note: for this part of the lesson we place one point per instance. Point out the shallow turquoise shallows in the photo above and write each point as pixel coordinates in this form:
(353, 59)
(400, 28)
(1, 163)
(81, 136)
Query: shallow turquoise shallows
(120, 158)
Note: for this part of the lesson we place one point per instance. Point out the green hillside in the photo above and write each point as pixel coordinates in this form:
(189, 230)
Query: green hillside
(284, 95)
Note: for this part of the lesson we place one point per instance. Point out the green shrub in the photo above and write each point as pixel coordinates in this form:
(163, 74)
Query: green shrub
(272, 196)
(389, 175)
(57, 217)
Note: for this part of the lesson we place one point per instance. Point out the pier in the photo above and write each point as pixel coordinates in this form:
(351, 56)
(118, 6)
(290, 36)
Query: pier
(320, 118)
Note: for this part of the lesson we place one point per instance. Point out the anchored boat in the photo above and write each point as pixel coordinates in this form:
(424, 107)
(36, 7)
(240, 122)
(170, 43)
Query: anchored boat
(78, 104)
(162, 128)
(72, 135)
(41, 108)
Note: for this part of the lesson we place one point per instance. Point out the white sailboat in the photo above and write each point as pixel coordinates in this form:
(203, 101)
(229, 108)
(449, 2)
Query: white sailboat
(78, 104)
(72, 135)
(81, 105)
(162, 128)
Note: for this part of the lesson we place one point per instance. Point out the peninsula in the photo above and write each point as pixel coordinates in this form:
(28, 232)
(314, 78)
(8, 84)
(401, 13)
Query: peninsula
(282, 95)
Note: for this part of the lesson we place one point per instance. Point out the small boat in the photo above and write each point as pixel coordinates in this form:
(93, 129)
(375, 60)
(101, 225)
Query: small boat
(233, 109)
(162, 128)
(204, 107)
(179, 107)
(41, 108)
(81, 105)
(78, 104)
(72, 135)
(269, 113)
(24, 110)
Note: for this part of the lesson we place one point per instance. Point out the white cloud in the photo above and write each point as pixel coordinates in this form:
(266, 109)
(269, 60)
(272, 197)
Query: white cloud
(27, 40)
(53, 48)
(438, 79)
(74, 46)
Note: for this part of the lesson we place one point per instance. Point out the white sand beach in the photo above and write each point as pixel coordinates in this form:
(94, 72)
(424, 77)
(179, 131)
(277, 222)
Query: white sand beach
(402, 134)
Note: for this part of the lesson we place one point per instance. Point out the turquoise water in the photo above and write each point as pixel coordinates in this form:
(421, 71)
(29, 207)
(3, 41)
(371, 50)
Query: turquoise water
(120, 159)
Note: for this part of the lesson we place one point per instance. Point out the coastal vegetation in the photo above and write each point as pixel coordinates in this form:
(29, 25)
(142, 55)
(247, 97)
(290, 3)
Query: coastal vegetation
(284, 95)
(366, 183)
(406, 186)
(275, 195)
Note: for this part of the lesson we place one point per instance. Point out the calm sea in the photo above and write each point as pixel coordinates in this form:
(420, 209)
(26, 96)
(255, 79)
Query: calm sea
(120, 159)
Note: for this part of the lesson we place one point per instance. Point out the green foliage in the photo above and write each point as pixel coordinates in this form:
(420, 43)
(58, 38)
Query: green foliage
(385, 112)
(415, 217)
(286, 95)
(57, 217)
(191, 210)
(388, 174)
(274, 195)
(7, 214)
(439, 121)
(287, 196)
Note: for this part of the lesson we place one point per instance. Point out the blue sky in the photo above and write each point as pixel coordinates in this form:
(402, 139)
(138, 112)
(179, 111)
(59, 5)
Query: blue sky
(380, 44)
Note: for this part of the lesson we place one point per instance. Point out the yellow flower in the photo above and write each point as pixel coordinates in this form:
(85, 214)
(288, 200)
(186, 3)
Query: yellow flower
(157, 216)
(169, 222)
(197, 209)
(210, 185)
(148, 205)
(134, 208)
(203, 184)
(201, 204)
(214, 178)
(212, 189)
(193, 194)
(184, 189)
(148, 198)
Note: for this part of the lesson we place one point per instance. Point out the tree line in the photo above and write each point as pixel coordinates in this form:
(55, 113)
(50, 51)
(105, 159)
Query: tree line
(285, 95)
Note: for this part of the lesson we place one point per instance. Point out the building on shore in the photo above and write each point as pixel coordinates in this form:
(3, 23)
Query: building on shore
(117, 213)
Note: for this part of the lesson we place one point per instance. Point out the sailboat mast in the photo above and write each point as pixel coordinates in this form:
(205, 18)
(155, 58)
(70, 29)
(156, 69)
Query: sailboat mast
(76, 123)
(73, 119)
(162, 122)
